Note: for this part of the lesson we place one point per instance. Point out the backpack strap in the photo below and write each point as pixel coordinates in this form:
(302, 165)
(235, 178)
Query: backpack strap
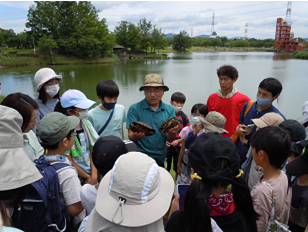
(183, 118)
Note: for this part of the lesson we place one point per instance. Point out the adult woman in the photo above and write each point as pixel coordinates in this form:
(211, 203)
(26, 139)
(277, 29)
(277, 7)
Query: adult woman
(215, 164)
(28, 109)
(47, 82)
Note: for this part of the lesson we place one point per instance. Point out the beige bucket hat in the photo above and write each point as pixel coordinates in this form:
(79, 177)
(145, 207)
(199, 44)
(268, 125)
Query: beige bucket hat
(153, 80)
(44, 75)
(17, 170)
(214, 122)
(269, 119)
(136, 192)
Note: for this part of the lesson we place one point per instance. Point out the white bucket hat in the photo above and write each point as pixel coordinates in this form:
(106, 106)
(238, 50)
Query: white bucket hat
(17, 170)
(44, 75)
(136, 192)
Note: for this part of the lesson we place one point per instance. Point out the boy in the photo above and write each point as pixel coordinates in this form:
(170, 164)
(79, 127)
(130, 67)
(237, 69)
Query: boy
(299, 205)
(270, 148)
(268, 91)
(57, 134)
(227, 101)
(177, 101)
(108, 118)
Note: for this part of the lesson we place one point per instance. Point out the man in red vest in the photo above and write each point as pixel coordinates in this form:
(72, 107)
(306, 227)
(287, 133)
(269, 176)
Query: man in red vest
(227, 101)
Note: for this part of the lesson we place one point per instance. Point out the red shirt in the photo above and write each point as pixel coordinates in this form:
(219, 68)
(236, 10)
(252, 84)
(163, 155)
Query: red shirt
(228, 107)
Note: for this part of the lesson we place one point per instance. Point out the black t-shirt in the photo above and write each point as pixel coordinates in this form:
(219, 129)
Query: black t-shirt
(235, 222)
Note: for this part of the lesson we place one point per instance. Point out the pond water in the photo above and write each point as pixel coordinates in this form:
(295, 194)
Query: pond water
(193, 74)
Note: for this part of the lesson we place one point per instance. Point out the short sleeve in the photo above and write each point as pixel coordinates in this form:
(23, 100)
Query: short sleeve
(90, 116)
(184, 132)
(132, 116)
(124, 115)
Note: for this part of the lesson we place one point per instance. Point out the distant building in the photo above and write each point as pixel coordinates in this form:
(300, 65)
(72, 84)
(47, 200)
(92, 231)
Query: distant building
(118, 48)
(213, 35)
(284, 38)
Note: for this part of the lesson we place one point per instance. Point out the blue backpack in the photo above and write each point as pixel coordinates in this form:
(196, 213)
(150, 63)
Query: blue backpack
(42, 210)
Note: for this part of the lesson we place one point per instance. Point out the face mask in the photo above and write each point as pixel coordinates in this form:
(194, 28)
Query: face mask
(264, 102)
(196, 120)
(177, 109)
(52, 90)
(83, 114)
(108, 106)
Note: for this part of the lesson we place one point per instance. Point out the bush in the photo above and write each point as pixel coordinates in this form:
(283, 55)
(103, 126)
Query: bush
(300, 55)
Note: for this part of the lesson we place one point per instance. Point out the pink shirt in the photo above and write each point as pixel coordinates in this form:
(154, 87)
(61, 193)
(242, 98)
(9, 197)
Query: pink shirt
(184, 133)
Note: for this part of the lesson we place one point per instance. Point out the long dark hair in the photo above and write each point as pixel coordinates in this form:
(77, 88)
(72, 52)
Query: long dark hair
(42, 95)
(60, 109)
(196, 211)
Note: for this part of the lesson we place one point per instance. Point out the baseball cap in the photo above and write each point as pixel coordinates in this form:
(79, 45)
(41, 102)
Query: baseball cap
(269, 119)
(44, 75)
(204, 154)
(54, 127)
(214, 121)
(295, 129)
(299, 166)
(136, 192)
(74, 97)
(297, 147)
(107, 150)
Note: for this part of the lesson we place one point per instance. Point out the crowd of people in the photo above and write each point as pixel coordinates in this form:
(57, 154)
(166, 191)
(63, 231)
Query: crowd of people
(66, 167)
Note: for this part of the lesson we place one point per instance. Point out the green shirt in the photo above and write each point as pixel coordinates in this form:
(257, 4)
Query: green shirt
(154, 145)
(32, 146)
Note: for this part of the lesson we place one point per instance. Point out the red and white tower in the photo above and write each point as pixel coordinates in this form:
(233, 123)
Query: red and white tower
(288, 13)
(246, 28)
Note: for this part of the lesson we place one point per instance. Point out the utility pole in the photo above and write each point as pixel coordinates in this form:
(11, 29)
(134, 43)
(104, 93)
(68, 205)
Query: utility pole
(246, 28)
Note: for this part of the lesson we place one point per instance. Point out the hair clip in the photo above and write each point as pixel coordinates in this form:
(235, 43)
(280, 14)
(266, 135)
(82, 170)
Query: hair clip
(195, 175)
(241, 173)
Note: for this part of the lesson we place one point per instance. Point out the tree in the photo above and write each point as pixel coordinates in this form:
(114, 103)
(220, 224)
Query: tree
(182, 41)
(133, 37)
(121, 33)
(198, 41)
(47, 44)
(205, 43)
(2, 40)
(216, 42)
(144, 32)
(158, 41)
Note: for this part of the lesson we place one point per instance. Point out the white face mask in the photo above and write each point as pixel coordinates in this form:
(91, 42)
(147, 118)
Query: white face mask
(83, 114)
(52, 90)
(196, 120)
(177, 109)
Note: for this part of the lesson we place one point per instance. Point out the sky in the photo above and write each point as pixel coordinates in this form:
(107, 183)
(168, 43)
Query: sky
(175, 16)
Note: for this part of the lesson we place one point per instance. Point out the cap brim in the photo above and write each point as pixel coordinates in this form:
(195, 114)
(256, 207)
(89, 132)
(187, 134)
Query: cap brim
(138, 214)
(259, 123)
(73, 121)
(297, 167)
(211, 127)
(154, 85)
(46, 79)
(130, 145)
(85, 104)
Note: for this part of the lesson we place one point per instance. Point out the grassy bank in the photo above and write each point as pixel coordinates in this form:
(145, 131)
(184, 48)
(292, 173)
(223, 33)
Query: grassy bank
(213, 49)
(1, 98)
(300, 54)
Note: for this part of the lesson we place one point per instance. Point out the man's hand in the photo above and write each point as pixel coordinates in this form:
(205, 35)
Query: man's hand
(138, 135)
(135, 136)
(175, 206)
(167, 144)
(240, 130)
(174, 130)
(176, 142)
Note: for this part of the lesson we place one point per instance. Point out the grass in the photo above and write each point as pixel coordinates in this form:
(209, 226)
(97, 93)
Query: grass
(300, 54)
(1, 98)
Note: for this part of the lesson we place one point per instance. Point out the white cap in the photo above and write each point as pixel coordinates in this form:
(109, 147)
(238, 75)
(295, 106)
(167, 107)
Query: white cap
(44, 75)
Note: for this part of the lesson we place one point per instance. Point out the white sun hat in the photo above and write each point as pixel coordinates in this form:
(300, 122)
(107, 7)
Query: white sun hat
(136, 192)
(44, 75)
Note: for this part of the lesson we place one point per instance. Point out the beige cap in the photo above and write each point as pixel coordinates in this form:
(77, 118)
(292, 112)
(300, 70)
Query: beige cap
(44, 75)
(269, 119)
(17, 170)
(153, 80)
(214, 122)
(136, 192)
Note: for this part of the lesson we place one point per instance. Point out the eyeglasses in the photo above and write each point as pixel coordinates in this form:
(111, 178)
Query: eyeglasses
(149, 91)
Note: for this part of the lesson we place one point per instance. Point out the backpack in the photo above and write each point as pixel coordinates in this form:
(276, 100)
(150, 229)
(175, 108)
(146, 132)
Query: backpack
(42, 210)
(184, 118)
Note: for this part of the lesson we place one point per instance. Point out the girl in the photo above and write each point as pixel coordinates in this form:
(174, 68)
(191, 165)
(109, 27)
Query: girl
(28, 109)
(47, 82)
(74, 102)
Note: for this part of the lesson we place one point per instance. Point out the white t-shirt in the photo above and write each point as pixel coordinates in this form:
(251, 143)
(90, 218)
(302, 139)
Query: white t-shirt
(88, 195)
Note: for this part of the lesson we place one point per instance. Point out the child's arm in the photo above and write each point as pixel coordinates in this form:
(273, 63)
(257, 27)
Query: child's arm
(75, 209)
(122, 133)
(182, 151)
(80, 171)
(93, 179)
(176, 142)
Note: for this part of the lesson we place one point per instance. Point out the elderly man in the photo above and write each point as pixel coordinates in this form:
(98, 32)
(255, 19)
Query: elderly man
(154, 112)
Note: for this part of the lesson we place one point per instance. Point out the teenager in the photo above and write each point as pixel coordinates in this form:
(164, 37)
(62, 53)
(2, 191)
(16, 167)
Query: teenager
(227, 101)
(270, 149)
(28, 109)
(47, 84)
(108, 118)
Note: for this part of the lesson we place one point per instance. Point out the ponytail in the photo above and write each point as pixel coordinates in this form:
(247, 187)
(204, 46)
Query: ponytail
(196, 211)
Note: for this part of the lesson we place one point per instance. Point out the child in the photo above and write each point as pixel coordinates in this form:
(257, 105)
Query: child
(74, 102)
(270, 149)
(196, 110)
(57, 134)
(108, 118)
(299, 205)
(177, 101)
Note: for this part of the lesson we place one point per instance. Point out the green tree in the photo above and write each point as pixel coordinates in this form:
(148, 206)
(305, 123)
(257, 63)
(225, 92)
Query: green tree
(121, 33)
(182, 41)
(216, 42)
(144, 32)
(206, 43)
(46, 45)
(133, 37)
(2, 40)
(199, 41)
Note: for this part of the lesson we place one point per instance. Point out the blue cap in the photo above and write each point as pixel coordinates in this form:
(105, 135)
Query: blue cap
(74, 97)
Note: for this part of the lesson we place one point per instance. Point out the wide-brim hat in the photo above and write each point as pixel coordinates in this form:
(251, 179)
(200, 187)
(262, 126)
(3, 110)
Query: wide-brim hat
(269, 119)
(214, 122)
(44, 75)
(17, 170)
(129, 170)
(299, 166)
(153, 80)
(74, 97)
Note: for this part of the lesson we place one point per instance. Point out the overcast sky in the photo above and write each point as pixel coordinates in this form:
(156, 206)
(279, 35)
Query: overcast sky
(230, 16)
